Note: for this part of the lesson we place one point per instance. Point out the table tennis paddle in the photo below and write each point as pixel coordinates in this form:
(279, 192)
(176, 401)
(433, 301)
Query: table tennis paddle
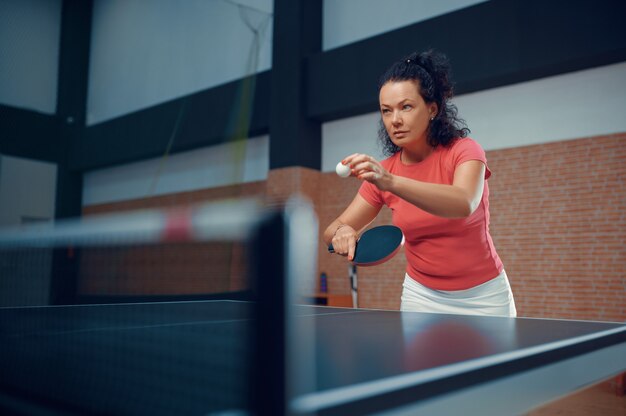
(377, 245)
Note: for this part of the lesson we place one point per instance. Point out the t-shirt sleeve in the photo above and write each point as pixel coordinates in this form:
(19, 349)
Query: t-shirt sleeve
(468, 149)
(371, 194)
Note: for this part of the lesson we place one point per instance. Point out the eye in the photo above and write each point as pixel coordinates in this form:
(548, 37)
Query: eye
(407, 107)
(385, 110)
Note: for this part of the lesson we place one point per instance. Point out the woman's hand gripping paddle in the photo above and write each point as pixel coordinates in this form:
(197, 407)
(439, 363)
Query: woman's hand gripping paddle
(376, 245)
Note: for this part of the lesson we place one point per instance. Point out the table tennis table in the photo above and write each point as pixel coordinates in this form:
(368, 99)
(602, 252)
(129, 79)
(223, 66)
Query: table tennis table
(193, 357)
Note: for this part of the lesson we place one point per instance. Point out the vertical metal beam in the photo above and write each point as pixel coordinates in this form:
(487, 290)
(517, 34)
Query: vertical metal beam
(283, 264)
(268, 347)
(71, 111)
(295, 139)
(72, 99)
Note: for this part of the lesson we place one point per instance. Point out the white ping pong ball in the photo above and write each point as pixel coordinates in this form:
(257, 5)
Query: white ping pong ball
(343, 170)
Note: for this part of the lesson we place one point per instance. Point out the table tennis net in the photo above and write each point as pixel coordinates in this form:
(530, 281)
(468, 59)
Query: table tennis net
(172, 254)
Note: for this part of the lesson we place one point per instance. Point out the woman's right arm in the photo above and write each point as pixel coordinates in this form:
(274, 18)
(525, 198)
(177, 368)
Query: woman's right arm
(343, 232)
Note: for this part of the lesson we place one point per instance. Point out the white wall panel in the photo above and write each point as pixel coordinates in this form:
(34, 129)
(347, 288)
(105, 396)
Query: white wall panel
(220, 165)
(579, 104)
(344, 137)
(348, 21)
(147, 52)
(30, 31)
(27, 190)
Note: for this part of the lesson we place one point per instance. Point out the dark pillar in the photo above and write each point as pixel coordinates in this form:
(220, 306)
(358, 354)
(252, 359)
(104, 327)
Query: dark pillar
(295, 140)
(71, 114)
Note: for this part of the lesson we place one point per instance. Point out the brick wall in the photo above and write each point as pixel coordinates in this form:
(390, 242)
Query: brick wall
(559, 224)
(177, 269)
(557, 218)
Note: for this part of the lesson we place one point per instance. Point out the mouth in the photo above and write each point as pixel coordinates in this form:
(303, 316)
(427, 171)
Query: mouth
(400, 133)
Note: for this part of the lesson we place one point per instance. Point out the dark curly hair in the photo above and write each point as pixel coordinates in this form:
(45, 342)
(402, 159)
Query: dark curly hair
(431, 69)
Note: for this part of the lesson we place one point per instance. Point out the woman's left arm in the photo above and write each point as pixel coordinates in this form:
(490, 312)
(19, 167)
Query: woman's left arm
(458, 200)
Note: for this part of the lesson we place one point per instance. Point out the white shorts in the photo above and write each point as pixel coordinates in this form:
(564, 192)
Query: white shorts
(493, 297)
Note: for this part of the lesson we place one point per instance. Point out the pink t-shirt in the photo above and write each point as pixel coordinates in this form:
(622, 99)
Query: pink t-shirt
(442, 253)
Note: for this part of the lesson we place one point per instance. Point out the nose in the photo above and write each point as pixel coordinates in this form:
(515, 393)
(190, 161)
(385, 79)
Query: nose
(396, 119)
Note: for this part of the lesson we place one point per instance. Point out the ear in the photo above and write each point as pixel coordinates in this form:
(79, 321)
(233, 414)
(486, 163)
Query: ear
(433, 109)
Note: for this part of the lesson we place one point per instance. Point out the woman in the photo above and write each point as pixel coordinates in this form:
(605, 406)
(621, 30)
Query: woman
(434, 182)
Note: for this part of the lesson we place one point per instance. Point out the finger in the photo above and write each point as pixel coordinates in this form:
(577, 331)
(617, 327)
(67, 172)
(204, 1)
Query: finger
(337, 247)
(337, 243)
(357, 158)
(369, 176)
(362, 166)
(348, 159)
(343, 253)
(351, 249)
(366, 168)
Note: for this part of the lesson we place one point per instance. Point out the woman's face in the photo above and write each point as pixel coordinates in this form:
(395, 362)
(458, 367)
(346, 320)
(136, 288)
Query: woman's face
(404, 112)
